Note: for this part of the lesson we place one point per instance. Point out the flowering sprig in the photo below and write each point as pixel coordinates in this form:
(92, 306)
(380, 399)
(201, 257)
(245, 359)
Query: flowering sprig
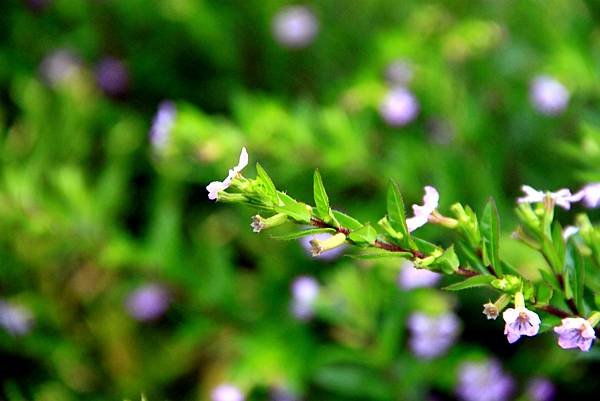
(474, 256)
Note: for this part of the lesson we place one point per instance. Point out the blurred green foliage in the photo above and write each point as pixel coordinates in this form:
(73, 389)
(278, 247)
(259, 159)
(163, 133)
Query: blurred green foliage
(90, 211)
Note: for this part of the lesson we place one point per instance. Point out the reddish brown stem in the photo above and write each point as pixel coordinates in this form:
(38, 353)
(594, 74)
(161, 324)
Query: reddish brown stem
(554, 311)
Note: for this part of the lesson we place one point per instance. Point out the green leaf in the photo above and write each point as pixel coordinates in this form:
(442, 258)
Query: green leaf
(266, 183)
(575, 276)
(426, 247)
(380, 255)
(395, 210)
(321, 198)
(303, 233)
(346, 221)
(364, 235)
(471, 282)
(549, 279)
(448, 262)
(490, 230)
(472, 259)
(295, 210)
(543, 294)
(559, 244)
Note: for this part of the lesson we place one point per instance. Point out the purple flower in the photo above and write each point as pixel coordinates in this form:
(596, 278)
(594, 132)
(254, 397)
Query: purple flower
(399, 107)
(590, 195)
(562, 197)
(422, 213)
(112, 77)
(15, 319)
(162, 124)
(37, 5)
(295, 27)
(227, 392)
(575, 332)
(520, 321)
(431, 336)
(540, 389)
(148, 302)
(59, 66)
(483, 382)
(548, 96)
(399, 72)
(327, 255)
(217, 186)
(410, 277)
(305, 291)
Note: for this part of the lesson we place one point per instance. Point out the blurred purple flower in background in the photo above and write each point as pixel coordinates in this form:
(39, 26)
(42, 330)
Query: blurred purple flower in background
(305, 290)
(112, 77)
(37, 5)
(540, 389)
(431, 336)
(399, 107)
(59, 66)
(327, 255)
(281, 394)
(15, 319)
(410, 277)
(399, 73)
(227, 392)
(483, 381)
(295, 27)
(590, 195)
(148, 302)
(548, 96)
(162, 124)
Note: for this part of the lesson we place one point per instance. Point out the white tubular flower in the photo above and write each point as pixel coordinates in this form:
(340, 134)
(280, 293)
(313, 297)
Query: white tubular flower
(569, 231)
(590, 195)
(562, 197)
(217, 186)
(422, 213)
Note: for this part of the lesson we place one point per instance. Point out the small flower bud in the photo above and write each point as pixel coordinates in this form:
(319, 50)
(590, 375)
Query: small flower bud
(259, 223)
(320, 246)
(490, 311)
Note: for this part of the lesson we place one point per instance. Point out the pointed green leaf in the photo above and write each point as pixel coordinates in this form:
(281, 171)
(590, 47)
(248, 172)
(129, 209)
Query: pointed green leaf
(471, 258)
(364, 235)
(448, 262)
(380, 255)
(346, 221)
(471, 282)
(303, 233)
(490, 230)
(395, 210)
(575, 276)
(266, 183)
(295, 210)
(321, 198)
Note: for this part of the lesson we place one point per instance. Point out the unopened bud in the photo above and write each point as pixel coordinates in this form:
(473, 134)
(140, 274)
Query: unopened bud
(492, 310)
(259, 223)
(317, 247)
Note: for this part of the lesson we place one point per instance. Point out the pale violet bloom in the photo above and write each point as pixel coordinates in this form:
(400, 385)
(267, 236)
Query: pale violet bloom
(227, 392)
(305, 291)
(399, 72)
(112, 76)
(295, 27)
(590, 195)
(431, 336)
(484, 381)
(60, 66)
(541, 389)
(575, 332)
(162, 124)
(520, 321)
(217, 186)
(15, 319)
(569, 231)
(148, 302)
(422, 213)
(410, 277)
(548, 96)
(562, 197)
(399, 107)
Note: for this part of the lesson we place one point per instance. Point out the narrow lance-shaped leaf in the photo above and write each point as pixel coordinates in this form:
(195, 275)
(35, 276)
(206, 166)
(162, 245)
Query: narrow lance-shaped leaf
(575, 276)
(346, 221)
(296, 210)
(267, 183)
(364, 235)
(471, 282)
(321, 198)
(303, 233)
(395, 210)
(490, 230)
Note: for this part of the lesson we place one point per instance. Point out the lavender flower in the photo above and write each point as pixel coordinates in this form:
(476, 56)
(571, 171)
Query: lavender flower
(227, 392)
(410, 277)
(148, 302)
(162, 124)
(483, 382)
(548, 96)
(327, 255)
(112, 77)
(37, 5)
(422, 213)
(540, 389)
(59, 66)
(217, 186)
(305, 291)
(399, 107)
(590, 195)
(520, 321)
(15, 319)
(295, 27)
(575, 332)
(562, 197)
(431, 336)
(399, 73)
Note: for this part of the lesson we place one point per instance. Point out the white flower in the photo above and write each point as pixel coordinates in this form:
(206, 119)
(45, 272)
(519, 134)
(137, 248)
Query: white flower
(569, 231)
(520, 321)
(562, 197)
(590, 195)
(548, 95)
(227, 392)
(575, 332)
(422, 213)
(217, 186)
